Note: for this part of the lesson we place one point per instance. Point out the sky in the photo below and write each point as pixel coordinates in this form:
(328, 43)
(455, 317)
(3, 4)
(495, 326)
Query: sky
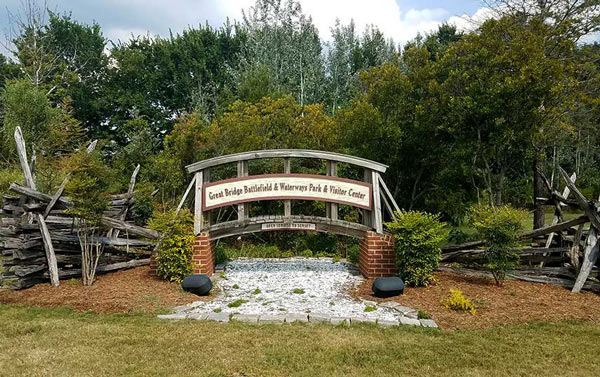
(400, 20)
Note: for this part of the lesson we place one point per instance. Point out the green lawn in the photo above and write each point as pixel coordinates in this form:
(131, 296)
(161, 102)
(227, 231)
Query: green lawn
(45, 342)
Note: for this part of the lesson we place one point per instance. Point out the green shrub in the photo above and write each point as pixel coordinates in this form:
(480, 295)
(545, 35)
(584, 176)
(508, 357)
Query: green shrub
(306, 253)
(421, 314)
(143, 205)
(457, 301)
(417, 237)
(499, 227)
(8, 176)
(353, 254)
(174, 255)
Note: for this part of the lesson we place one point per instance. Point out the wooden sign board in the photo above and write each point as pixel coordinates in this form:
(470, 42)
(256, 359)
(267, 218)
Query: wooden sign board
(287, 186)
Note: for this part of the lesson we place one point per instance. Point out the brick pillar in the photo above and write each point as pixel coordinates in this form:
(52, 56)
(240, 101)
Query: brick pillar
(377, 255)
(153, 265)
(203, 255)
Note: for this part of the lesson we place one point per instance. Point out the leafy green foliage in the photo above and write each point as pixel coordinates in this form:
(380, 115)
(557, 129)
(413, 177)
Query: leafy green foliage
(417, 238)
(237, 303)
(457, 301)
(143, 206)
(499, 227)
(174, 256)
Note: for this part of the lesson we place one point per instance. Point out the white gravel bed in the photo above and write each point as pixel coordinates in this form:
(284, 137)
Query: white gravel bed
(291, 285)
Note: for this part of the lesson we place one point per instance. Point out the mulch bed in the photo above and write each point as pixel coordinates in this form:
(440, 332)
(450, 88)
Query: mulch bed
(515, 302)
(128, 291)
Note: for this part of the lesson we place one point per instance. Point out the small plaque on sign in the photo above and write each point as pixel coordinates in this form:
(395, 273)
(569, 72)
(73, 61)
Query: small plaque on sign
(292, 226)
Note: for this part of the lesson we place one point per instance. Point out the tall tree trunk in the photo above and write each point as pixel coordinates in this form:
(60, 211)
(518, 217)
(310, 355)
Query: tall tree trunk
(538, 192)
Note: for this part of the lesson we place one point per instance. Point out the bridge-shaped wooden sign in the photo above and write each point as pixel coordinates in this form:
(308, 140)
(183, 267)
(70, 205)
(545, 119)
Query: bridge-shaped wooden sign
(368, 195)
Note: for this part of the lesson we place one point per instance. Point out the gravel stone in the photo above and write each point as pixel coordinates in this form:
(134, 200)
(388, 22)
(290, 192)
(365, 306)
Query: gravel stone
(296, 317)
(410, 321)
(428, 323)
(322, 280)
(414, 314)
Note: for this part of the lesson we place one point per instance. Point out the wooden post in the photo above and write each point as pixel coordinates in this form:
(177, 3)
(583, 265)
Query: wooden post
(590, 256)
(130, 189)
(556, 218)
(185, 195)
(48, 248)
(367, 218)
(287, 204)
(242, 209)
(331, 209)
(198, 214)
(376, 212)
(207, 215)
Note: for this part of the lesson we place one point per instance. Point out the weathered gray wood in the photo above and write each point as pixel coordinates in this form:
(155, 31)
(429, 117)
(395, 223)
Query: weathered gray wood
(574, 250)
(367, 217)
(185, 195)
(22, 153)
(33, 193)
(331, 209)
(130, 228)
(198, 213)
(253, 225)
(590, 256)
(130, 190)
(387, 192)
(56, 196)
(377, 212)
(282, 153)
(590, 210)
(556, 218)
(523, 236)
(287, 204)
(242, 208)
(49, 249)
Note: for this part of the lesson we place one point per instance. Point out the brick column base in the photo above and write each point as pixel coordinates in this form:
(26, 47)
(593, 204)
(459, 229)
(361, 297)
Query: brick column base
(153, 265)
(203, 255)
(377, 255)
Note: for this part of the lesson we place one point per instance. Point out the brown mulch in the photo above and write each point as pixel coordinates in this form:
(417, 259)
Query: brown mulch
(515, 302)
(128, 291)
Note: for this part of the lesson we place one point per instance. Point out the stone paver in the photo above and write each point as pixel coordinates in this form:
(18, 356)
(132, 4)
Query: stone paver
(296, 317)
(272, 318)
(410, 321)
(339, 321)
(319, 318)
(428, 323)
(219, 317)
(198, 316)
(388, 323)
(357, 320)
(248, 318)
(175, 316)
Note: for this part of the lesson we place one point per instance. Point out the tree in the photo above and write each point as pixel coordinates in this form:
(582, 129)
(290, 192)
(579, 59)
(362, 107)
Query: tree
(286, 42)
(87, 188)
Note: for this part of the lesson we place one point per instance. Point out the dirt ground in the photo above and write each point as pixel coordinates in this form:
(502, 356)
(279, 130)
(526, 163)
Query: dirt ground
(128, 291)
(515, 302)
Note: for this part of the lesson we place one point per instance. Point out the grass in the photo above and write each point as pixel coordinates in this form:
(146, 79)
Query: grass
(370, 309)
(49, 342)
(298, 291)
(237, 303)
(257, 291)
